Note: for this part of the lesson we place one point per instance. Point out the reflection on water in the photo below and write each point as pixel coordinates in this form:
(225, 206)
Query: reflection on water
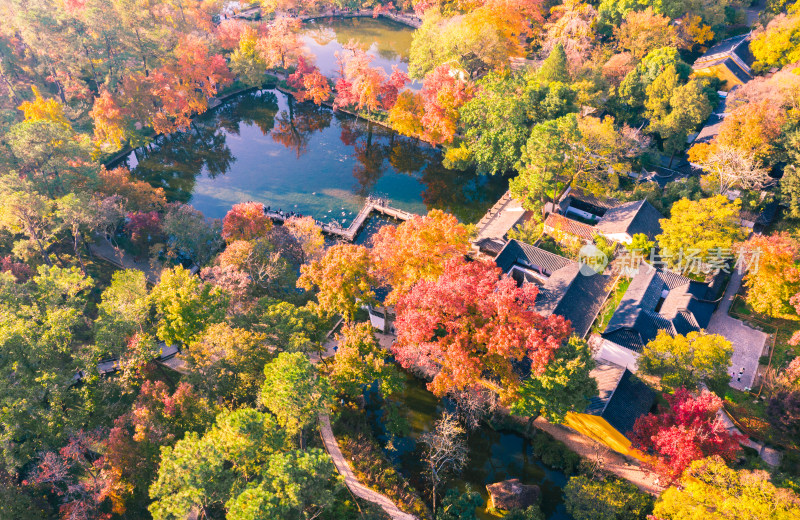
(266, 147)
(388, 41)
(493, 455)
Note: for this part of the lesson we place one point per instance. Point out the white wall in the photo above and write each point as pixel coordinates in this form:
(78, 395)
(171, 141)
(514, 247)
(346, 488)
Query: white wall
(617, 354)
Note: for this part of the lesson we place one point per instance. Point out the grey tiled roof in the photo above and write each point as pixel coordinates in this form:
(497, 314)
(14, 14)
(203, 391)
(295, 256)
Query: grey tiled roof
(631, 218)
(630, 400)
(516, 252)
(636, 321)
(622, 397)
(736, 44)
(566, 291)
(579, 194)
(607, 376)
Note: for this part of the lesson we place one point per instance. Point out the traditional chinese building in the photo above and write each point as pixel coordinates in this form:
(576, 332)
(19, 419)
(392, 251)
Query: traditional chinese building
(622, 398)
(584, 216)
(566, 288)
(656, 300)
(730, 61)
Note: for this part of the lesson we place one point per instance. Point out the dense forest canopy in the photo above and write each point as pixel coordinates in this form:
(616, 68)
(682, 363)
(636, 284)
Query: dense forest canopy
(160, 364)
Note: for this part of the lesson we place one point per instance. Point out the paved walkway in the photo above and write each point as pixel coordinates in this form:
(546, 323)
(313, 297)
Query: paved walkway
(500, 218)
(748, 343)
(103, 249)
(357, 488)
(630, 469)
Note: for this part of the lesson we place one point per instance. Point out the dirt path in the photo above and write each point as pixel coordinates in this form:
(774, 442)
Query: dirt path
(357, 488)
(630, 469)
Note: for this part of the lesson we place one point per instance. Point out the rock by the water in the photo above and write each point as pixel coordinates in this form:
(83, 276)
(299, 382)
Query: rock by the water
(512, 494)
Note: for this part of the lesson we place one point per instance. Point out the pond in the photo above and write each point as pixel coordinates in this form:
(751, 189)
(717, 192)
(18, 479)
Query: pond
(387, 41)
(264, 146)
(493, 455)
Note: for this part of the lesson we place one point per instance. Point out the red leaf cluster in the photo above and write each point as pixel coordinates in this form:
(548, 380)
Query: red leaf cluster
(476, 328)
(443, 93)
(687, 431)
(311, 85)
(365, 87)
(20, 271)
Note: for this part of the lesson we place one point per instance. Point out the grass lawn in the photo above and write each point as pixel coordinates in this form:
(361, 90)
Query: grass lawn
(611, 304)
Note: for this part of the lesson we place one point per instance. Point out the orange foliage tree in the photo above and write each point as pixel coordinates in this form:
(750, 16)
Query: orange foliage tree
(281, 45)
(417, 249)
(246, 221)
(443, 93)
(309, 82)
(364, 87)
(775, 278)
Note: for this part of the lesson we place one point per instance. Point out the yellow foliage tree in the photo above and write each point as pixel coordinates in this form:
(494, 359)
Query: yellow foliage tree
(43, 109)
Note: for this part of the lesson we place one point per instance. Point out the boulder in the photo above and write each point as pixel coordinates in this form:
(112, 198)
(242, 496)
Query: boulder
(512, 494)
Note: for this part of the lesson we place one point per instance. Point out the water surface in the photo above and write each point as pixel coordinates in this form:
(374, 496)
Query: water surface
(387, 41)
(494, 456)
(264, 146)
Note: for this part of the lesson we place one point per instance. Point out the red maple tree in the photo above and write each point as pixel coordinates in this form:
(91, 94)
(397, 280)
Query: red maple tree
(472, 327)
(309, 82)
(417, 249)
(362, 86)
(686, 431)
(443, 93)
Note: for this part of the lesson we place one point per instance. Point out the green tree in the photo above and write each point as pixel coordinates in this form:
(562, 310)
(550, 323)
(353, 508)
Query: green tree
(790, 189)
(247, 439)
(685, 360)
(555, 67)
(565, 385)
(459, 506)
(609, 499)
(360, 360)
(676, 110)
(247, 63)
(40, 354)
(632, 90)
(190, 235)
(343, 278)
(51, 156)
(587, 151)
(295, 392)
(495, 123)
(185, 306)
(530, 513)
(711, 490)
(296, 484)
(641, 244)
(547, 161)
(228, 362)
(26, 213)
(698, 227)
(122, 311)
(203, 472)
(288, 327)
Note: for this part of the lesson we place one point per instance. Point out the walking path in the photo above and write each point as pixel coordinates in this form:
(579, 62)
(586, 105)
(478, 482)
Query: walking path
(356, 487)
(375, 204)
(748, 343)
(628, 468)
